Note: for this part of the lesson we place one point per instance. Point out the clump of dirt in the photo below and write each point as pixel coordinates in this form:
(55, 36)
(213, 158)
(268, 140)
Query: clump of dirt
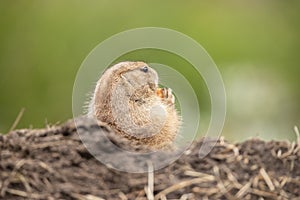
(52, 163)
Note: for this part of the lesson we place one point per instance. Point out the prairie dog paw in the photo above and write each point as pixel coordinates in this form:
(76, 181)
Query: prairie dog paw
(166, 95)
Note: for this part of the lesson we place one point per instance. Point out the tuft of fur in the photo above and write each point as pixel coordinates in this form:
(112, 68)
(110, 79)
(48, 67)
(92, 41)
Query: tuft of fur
(126, 99)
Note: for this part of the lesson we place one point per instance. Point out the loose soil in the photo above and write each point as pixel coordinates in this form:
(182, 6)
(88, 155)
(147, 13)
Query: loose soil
(52, 163)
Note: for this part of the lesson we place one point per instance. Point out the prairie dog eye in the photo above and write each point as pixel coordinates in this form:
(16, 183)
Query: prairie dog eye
(144, 69)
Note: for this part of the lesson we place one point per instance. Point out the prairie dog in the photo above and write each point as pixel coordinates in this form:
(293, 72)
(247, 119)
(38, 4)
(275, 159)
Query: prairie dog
(127, 98)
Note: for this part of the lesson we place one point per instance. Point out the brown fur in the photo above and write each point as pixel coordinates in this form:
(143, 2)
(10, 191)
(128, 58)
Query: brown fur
(124, 97)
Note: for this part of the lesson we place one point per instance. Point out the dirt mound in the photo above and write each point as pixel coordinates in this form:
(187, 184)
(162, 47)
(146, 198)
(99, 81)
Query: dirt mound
(52, 163)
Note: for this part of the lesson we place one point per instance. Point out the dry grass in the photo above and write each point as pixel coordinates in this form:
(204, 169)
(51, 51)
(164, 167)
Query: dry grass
(52, 163)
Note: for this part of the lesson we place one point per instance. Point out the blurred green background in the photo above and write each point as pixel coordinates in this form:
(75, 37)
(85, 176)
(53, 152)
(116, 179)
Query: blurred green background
(255, 44)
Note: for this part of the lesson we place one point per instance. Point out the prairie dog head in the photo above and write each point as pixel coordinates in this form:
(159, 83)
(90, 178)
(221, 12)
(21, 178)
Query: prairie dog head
(139, 74)
(128, 75)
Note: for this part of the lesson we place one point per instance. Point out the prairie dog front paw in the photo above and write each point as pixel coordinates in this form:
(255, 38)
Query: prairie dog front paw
(166, 94)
